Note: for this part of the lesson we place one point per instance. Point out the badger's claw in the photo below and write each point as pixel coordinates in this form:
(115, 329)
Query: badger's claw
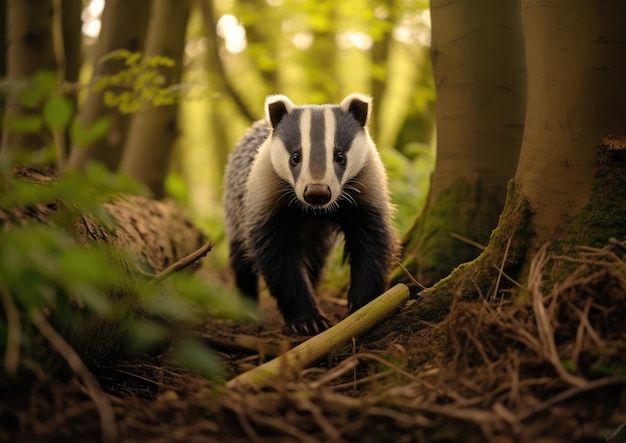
(312, 326)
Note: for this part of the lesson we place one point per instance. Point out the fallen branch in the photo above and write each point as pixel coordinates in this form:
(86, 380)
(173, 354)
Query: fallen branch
(244, 343)
(292, 362)
(182, 264)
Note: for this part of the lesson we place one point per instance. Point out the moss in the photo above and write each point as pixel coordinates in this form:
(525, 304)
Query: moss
(604, 215)
(477, 278)
(430, 250)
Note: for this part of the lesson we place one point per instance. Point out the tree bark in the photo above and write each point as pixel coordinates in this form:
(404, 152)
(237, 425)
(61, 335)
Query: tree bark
(30, 49)
(478, 65)
(71, 49)
(576, 96)
(3, 58)
(570, 185)
(154, 130)
(124, 25)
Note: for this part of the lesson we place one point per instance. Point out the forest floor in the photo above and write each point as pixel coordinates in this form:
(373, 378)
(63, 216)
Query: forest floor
(548, 368)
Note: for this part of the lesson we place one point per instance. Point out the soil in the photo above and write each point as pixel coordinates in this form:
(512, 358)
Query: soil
(534, 364)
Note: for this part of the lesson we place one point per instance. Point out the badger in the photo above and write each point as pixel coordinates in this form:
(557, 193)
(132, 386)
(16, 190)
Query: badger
(293, 182)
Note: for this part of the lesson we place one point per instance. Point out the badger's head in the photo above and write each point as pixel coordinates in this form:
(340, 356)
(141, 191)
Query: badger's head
(318, 150)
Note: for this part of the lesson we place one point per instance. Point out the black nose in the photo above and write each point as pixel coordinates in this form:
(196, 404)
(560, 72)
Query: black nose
(317, 194)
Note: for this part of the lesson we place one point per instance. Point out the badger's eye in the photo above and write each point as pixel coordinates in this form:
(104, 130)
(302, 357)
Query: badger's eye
(295, 158)
(340, 157)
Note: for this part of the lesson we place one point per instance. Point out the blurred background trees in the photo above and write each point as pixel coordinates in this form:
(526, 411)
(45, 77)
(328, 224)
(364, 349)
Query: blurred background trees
(161, 90)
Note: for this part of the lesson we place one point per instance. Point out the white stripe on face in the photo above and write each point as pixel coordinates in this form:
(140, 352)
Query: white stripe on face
(305, 138)
(329, 142)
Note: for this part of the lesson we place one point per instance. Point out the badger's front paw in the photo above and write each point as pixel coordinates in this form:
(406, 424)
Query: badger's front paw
(310, 326)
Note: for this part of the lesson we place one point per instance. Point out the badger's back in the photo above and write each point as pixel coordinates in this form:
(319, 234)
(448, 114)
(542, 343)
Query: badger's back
(236, 177)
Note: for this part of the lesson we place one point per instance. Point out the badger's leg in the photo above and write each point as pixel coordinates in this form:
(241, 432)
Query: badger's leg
(371, 247)
(245, 275)
(317, 238)
(283, 265)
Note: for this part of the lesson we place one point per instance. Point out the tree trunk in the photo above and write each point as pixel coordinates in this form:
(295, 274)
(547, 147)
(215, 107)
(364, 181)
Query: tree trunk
(576, 95)
(3, 58)
(218, 74)
(570, 184)
(30, 50)
(71, 49)
(154, 129)
(124, 25)
(478, 65)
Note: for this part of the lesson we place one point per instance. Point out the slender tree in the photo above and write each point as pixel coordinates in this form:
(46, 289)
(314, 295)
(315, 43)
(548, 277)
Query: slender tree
(224, 89)
(478, 65)
(154, 129)
(30, 50)
(124, 25)
(380, 52)
(69, 52)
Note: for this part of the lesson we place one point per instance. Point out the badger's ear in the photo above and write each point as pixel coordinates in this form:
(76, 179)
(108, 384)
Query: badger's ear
(276, 106)
(359, 106)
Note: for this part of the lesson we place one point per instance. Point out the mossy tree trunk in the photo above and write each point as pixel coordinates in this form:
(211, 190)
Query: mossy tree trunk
(154, 130)
(570, 184)
(479, 70)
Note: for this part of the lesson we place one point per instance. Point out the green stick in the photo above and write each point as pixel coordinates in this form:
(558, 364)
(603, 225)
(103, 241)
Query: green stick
(291, 363)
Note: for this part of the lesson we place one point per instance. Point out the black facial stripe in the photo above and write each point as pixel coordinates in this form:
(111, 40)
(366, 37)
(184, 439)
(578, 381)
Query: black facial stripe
(317, 162)
(288, 132)
(347, 128)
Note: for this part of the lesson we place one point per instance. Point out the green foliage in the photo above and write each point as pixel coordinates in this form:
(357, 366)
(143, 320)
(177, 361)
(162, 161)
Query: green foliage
(88, 291)
(84, 136)
(409, 177)
(33, 92)
(42, 266)
(41, 91)
(193, 355)
(57, 112)
(52, 115)
(140, 82)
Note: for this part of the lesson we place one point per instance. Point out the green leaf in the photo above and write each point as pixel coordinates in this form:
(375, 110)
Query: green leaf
(133, 58)
(144, 336)
(39, 87)
(24, 124)
(95, 299)
(193, 354)
(57, 112)
(84, 136)
(118, 54)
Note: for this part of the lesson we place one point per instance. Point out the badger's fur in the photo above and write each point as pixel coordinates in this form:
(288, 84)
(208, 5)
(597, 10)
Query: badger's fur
(292, 183)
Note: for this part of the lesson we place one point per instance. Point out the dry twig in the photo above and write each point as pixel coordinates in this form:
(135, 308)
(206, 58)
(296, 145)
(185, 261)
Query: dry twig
(181, 264)
(108, 424)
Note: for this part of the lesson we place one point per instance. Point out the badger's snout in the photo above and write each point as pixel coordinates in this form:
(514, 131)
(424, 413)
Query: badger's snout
(317, 194)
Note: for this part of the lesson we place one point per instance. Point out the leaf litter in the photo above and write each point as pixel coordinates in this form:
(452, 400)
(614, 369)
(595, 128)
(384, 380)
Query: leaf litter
(547, 364)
